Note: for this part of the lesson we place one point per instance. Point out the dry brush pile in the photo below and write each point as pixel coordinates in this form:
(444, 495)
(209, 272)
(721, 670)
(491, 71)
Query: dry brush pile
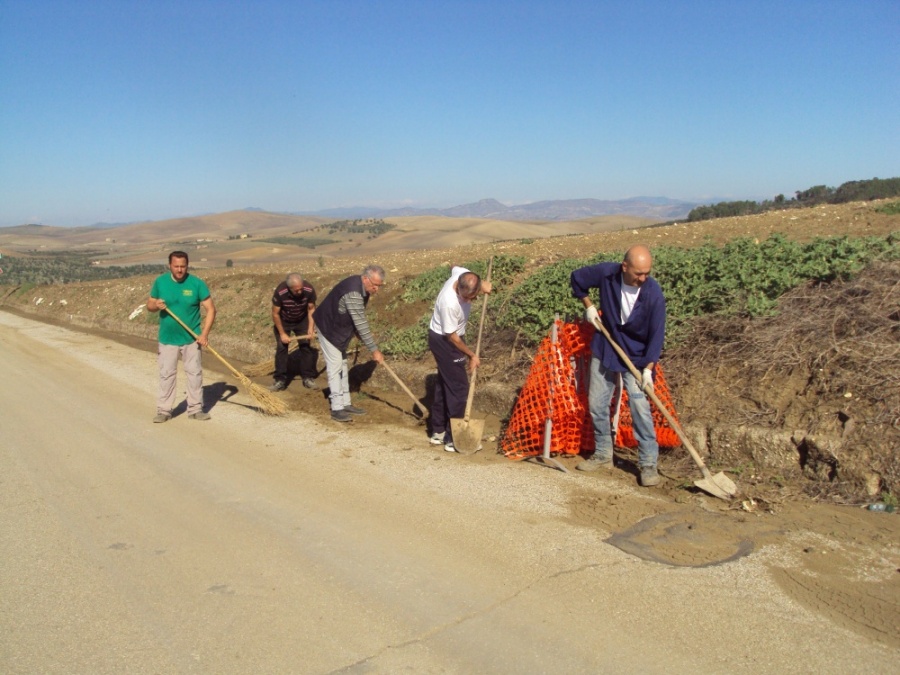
(822, 375)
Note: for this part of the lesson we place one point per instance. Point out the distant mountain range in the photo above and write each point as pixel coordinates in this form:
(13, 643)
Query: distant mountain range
(657, 208)
(654, 208)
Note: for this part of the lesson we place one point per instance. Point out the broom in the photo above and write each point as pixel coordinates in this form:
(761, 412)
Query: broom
(267, 367)
(269, 404)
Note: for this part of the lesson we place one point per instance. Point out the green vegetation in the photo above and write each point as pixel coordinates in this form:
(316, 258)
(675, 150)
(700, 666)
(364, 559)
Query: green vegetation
(408, 342)
(412, 341)
(851, 191)
(303, 242)
(742, 277)
(891, 209)
(427, 285)
(536, 301)
(371, 226)
(65, 268)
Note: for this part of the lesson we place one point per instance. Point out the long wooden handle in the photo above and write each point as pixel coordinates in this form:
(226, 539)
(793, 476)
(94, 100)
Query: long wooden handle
(405, 388)
(598, 324)
(238, 374)
(471, 395)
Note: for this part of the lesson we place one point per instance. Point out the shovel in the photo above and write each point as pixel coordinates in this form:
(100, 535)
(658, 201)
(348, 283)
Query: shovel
(467, 432)
(720, 485)
(417, 402)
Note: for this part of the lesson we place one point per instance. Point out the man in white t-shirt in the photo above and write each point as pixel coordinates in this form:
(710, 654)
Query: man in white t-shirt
(454, 358)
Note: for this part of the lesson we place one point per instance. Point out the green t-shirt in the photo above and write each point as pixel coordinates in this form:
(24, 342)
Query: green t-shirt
(184, 298)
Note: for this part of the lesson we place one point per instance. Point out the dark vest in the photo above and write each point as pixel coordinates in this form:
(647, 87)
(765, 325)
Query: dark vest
(337, 326)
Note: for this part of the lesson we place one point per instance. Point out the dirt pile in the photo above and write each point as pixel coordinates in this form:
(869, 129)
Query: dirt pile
(808, 398)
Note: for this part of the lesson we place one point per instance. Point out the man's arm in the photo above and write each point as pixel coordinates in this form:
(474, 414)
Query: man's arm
(457, 341)
(311, 333)
(208, 321)
(356, 308)
(582, 280)
(279, 326)
(657, 331)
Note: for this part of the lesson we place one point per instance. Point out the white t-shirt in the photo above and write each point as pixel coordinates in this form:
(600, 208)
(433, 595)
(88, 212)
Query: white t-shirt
(451, 312)
(629, 297)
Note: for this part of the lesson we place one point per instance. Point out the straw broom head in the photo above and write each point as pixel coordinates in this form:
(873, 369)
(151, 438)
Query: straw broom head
(269, 404)
(260, 369)
(268, 367)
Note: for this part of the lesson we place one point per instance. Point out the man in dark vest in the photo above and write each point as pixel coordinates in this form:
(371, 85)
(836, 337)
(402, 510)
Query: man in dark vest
(341, 315)
(293, 306)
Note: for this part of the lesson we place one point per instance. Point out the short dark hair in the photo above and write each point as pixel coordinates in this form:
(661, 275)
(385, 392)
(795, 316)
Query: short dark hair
(178, 254)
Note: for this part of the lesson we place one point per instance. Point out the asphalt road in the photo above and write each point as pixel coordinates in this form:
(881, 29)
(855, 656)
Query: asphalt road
(249, 544)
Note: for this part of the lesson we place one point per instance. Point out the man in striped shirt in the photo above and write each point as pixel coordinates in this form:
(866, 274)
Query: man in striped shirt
(340, 316)
(293, 306)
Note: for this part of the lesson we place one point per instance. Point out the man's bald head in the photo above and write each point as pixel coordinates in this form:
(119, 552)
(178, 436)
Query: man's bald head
(636, 265)
(468, 285)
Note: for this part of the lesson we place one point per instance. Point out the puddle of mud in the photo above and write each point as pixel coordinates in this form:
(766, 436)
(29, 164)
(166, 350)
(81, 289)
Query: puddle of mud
(840, 562)
(679, 539)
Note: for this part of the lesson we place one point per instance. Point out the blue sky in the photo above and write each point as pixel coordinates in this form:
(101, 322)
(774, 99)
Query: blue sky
(120, 111)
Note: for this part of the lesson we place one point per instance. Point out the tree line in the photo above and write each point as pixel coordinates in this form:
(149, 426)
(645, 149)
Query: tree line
(851, 191)
(64, 269)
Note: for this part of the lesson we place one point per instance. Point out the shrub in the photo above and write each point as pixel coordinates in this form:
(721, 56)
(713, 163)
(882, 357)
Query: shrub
(409, 342)
(428, 284)
(742, 277)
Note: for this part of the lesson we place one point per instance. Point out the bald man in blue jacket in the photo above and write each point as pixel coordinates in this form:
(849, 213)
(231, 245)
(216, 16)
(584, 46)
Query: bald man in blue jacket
(633, 310)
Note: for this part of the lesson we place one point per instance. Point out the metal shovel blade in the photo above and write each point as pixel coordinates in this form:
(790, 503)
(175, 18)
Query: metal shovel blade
(719, 485)
(467, 435)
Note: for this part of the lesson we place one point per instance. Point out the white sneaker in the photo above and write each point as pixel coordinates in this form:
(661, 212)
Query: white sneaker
(449, 447)
(437, 438)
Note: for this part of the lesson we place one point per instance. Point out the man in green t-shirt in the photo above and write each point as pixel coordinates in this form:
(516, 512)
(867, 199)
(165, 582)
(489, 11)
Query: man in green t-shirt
(183, 294)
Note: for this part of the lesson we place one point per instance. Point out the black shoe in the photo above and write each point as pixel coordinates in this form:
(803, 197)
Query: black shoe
(280, 385)
(353, 410)
(341, 416)
(310, 383)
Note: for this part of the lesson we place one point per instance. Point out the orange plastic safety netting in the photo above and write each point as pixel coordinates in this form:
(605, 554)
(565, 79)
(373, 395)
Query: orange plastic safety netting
(554, 399)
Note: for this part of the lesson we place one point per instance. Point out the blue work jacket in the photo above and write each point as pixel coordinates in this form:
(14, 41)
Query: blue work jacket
(641, 337)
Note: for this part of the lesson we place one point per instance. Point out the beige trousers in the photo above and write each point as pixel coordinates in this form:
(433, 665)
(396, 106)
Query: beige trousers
(167, 357)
